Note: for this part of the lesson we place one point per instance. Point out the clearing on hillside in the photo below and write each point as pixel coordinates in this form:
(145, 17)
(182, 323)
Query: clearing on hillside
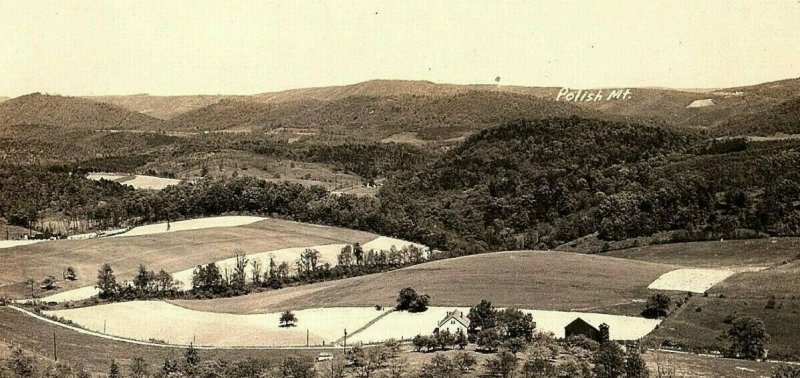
(694, 280)
(173, 251)
(731, 254)
(524, 279)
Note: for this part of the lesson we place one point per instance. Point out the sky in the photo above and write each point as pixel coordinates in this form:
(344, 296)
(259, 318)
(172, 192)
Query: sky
(120, 47)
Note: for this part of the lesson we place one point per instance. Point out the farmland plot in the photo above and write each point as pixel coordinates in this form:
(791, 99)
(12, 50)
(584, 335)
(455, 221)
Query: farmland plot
(406, 325)
(146, 320)
(694, 280)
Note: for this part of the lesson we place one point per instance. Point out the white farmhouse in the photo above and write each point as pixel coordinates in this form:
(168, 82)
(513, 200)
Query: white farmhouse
(453, 322)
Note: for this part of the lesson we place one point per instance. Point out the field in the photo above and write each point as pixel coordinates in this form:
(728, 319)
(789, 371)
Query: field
(136, 181)
(177, 325)
(690, 365)
(404, 325)
(690, 279)
(766, 267)
(743, 294)
(174, 251)
(717, 254)
(537, 280)
(96, 353)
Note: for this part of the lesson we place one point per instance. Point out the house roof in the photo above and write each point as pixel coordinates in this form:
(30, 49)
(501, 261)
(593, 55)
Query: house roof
(457, 316)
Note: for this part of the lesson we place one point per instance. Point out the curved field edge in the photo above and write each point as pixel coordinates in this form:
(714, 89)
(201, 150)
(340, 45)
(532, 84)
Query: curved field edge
(172, 251)
(544, 280)
(35, 334)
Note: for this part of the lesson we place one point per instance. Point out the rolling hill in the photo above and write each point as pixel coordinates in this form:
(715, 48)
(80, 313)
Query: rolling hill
(71, 113)
(169, 251)
(375, 118)
(783, 118)
(524, 279)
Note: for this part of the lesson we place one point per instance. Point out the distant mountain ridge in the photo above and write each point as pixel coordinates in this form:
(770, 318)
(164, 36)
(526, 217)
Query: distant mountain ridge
(432, 110)
(72, 113)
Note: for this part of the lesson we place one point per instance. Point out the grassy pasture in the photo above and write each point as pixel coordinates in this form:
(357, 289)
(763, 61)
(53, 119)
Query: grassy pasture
(96, 353)
(169, 251)
(717, 254)
(690, 365)
(529, 279)
(744, 294)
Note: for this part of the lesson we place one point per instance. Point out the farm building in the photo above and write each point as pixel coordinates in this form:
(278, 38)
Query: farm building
(584, 328)
(453, 322)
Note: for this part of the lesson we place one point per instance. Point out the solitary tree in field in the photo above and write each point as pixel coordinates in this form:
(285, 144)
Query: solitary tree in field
(748, 338)
(409, 300)
(288, 319)
(657, 306)
(106, 282)
(69, 274)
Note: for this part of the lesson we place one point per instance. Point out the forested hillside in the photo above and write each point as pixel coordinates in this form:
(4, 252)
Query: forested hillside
(71, 113)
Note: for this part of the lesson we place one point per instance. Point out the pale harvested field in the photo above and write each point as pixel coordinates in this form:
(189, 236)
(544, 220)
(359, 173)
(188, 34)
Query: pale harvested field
(405, 325)
(694, 280)
(145, 320)
(104, 176)
(528, 279)
(191, 224)
(174, 251)
(149, 182)
(17, 243)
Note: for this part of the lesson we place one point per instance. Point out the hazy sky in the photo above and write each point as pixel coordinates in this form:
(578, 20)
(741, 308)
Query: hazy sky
(242, 47)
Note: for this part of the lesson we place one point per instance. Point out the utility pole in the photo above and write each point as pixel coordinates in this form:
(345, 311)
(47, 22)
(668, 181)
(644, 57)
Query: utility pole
(104, 326)
(306, 336)
(55, 350)
(345, 340)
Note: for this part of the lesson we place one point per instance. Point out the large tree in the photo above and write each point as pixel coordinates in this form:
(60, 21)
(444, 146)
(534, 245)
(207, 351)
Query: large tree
(107, 282)
(747, 338)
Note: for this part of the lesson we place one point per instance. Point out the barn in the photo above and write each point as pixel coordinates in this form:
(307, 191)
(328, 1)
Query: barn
(584, 328)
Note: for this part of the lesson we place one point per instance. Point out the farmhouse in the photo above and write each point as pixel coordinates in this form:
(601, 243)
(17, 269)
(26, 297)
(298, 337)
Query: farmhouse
(583, 328)
(453, 322)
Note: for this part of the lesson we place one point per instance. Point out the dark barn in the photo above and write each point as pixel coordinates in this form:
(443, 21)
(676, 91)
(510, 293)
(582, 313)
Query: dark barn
(581, 327)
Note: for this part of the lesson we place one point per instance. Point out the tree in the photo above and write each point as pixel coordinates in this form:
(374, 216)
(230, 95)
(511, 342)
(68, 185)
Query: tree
(107, 282)
(365, 362)
(503, 365)
(69, 274)
(345, 257)
(464, 361)
(144, 279)
(747, 337)
(787, 371)
(191, 358)
(488, 339)
(516, 324)
(461, 339)
(49, 283)
(515, 344)
(635, 366)
(138, 368)
(609, 361)
(288, 319)
(657, 306)
(238, 281)
(256, 271)
(31, 283)
(537, 367)
(21, 363)
(439, 367)
(298, 367)
(409, 300)
(482, 316)
(113, 370)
